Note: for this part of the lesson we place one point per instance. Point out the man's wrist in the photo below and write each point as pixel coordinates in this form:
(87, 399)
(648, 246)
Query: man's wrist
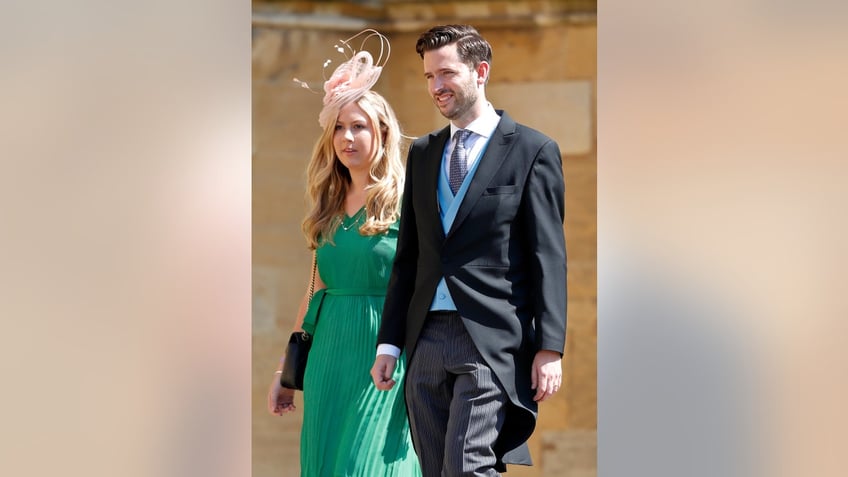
(388, 349)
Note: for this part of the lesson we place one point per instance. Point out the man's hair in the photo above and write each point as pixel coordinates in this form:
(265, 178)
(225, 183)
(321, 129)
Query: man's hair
(470, 46)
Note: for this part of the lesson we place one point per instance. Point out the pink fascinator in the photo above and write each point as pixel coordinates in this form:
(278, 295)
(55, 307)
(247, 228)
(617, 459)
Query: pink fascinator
(356, 75)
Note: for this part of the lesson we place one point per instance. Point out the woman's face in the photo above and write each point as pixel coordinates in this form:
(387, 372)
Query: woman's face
(353, 138)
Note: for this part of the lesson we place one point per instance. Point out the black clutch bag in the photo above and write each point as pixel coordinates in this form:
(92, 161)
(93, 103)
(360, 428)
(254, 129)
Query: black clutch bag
(300, 342)
(295, 364)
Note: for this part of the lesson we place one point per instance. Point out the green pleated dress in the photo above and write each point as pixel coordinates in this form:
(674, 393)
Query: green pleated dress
(351, 429)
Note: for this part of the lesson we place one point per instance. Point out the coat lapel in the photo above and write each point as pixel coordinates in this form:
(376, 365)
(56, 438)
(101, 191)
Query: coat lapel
(430, 179)
(496, 154)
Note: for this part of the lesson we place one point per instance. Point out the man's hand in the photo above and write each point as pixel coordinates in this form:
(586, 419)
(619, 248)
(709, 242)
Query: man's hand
(546, 375)
(383, 370)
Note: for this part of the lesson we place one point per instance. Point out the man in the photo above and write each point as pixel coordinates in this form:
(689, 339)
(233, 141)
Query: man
(477, 294)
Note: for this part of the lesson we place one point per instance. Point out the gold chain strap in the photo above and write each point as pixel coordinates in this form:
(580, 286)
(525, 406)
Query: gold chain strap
(311, 286)
(312, 279)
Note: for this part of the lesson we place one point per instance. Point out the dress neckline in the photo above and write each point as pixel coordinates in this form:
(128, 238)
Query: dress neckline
(350, 221)
(356, 214)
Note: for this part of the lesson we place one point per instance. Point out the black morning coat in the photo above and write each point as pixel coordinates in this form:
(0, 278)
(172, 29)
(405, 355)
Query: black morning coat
(503, 260)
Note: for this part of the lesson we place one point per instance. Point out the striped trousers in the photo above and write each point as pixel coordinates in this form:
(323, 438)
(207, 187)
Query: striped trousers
(455, 402)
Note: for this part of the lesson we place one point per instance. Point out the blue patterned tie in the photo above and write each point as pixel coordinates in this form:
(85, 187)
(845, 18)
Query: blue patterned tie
(458, 161)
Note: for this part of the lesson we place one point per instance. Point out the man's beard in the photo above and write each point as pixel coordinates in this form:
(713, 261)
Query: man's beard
(462, 102)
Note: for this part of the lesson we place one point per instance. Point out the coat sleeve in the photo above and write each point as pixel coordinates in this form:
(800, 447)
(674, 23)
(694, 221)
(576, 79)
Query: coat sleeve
(544, 204)
(402, 280)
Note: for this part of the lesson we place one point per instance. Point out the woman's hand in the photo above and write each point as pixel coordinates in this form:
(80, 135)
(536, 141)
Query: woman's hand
(280, 399)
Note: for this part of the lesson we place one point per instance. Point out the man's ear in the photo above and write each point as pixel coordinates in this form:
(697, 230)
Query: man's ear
(482, 73)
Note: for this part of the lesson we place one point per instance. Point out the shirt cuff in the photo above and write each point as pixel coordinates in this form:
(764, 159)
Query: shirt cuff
(388, 349)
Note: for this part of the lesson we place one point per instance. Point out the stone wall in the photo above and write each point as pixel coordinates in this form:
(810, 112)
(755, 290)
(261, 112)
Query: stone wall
(543, 74)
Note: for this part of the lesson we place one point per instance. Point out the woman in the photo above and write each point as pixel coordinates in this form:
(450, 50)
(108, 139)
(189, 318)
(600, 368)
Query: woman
(354, 182)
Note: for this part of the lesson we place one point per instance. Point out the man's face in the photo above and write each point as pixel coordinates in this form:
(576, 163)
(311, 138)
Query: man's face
(450, 82)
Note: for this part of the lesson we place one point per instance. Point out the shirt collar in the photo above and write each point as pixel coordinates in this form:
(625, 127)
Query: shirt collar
(484, 125)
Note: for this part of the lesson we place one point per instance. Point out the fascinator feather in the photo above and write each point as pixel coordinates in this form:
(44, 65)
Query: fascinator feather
(353, 77)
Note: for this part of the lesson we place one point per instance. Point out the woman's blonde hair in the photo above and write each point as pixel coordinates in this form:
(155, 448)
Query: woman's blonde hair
(327, 179)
